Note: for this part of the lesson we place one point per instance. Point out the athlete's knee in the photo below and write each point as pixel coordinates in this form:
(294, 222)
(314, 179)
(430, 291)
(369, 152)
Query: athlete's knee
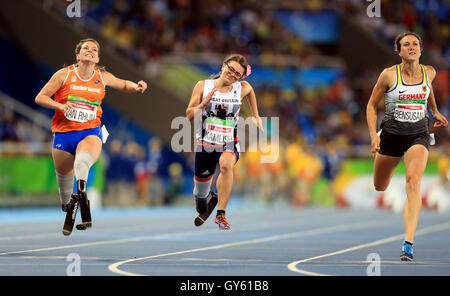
(413, 182)
(226, 166)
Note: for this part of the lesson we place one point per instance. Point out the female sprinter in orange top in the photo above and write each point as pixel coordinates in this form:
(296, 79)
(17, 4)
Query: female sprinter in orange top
(78, 94)
(407, 90)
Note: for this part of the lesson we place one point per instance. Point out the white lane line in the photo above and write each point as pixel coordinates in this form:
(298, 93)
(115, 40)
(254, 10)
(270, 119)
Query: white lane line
(115, 266)
(135, 239)
(293, 266)
(115, 241)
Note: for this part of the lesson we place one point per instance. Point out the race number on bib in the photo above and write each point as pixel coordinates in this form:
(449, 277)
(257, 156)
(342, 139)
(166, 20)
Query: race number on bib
(411, 111)
(84, 111)
(219, 131)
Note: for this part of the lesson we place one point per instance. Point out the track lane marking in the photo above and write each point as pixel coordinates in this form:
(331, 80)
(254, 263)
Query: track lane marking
(115, 266)
(293, 265)
(135, 239)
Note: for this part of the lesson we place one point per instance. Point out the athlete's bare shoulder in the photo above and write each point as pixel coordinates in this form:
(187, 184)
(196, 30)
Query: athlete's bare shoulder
(246, 88)
(60, 76)
(62, 72)
(198, 89)
(200, 84)
(389, 72)
(388, 77)
(431, 72)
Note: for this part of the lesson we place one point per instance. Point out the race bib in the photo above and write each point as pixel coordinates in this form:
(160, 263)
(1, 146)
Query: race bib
(410, 111)
(83, 112)
(219, 131)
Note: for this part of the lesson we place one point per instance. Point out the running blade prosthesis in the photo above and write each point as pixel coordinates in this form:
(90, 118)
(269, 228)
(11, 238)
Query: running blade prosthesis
(211, 204)
(72, 208)
(81, 201)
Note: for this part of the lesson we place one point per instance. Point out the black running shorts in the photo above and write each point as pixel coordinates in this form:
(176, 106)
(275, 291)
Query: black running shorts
(397, 145)
(205, 161)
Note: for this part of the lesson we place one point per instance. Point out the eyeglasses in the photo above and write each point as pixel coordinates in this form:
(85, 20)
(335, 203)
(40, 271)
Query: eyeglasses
(235, 73)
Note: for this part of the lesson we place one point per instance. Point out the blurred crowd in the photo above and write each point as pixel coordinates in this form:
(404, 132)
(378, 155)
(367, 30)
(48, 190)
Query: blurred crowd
(134, 175)
(428, 18)
(146, 31)
(19, 135)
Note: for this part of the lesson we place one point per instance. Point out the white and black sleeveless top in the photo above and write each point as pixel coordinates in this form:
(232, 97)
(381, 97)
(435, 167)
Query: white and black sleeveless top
(218, 124)
(406, 106)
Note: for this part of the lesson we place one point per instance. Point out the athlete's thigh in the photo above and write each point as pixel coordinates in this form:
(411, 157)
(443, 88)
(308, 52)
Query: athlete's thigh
(63, 161)
(384, 168)
(415, 160)
(92, 144)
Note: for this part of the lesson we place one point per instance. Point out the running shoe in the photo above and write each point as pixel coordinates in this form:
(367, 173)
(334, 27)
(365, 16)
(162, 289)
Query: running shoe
(407, 252)
(222, 222)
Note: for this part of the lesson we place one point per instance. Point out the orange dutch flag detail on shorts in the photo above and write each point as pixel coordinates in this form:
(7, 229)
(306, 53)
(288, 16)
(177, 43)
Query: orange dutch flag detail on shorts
(87, 96)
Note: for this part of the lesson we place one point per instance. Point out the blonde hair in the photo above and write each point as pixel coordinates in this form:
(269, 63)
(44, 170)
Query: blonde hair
(234, 57)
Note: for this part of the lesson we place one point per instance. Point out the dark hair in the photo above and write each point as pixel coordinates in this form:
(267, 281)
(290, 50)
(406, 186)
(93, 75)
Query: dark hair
(237, 58)
(399, 38)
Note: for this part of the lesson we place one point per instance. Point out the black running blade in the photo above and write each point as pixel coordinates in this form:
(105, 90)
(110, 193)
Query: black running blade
(201, 218)
(70, 220)
(85, 213)
(81, 227)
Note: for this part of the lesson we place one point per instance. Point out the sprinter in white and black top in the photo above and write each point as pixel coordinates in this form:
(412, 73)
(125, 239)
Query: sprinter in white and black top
(215, 104)
(404, 129)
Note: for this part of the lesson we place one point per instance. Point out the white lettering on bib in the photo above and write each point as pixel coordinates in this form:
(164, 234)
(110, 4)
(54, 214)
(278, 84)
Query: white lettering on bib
(84, 111)
(219, 131)
(410, 110)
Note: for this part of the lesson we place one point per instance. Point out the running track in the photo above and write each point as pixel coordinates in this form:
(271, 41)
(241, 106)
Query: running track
(264, 241)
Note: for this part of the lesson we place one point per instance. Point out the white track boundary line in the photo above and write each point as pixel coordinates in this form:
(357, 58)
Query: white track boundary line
(293, 266)
(115, 266)
(115, 241)
(135, 239)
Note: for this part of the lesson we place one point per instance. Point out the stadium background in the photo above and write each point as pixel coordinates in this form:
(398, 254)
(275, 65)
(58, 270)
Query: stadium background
(314, 64)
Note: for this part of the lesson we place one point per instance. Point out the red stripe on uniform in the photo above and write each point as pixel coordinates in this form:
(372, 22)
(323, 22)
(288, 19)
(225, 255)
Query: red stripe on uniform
(203, 180)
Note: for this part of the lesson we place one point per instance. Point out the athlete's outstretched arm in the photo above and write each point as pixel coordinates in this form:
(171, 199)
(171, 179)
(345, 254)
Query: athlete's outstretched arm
(196, 104)
(371, 110)
(44, 97)
(439, 119)
(248, 92)
(122, 84)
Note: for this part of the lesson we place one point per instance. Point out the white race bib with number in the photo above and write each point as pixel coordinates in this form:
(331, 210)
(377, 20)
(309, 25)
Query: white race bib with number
(410, 110)
(83, 112)
(219, 131)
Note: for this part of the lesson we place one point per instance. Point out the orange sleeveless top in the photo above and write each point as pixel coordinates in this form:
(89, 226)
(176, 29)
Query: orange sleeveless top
(88, 96)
